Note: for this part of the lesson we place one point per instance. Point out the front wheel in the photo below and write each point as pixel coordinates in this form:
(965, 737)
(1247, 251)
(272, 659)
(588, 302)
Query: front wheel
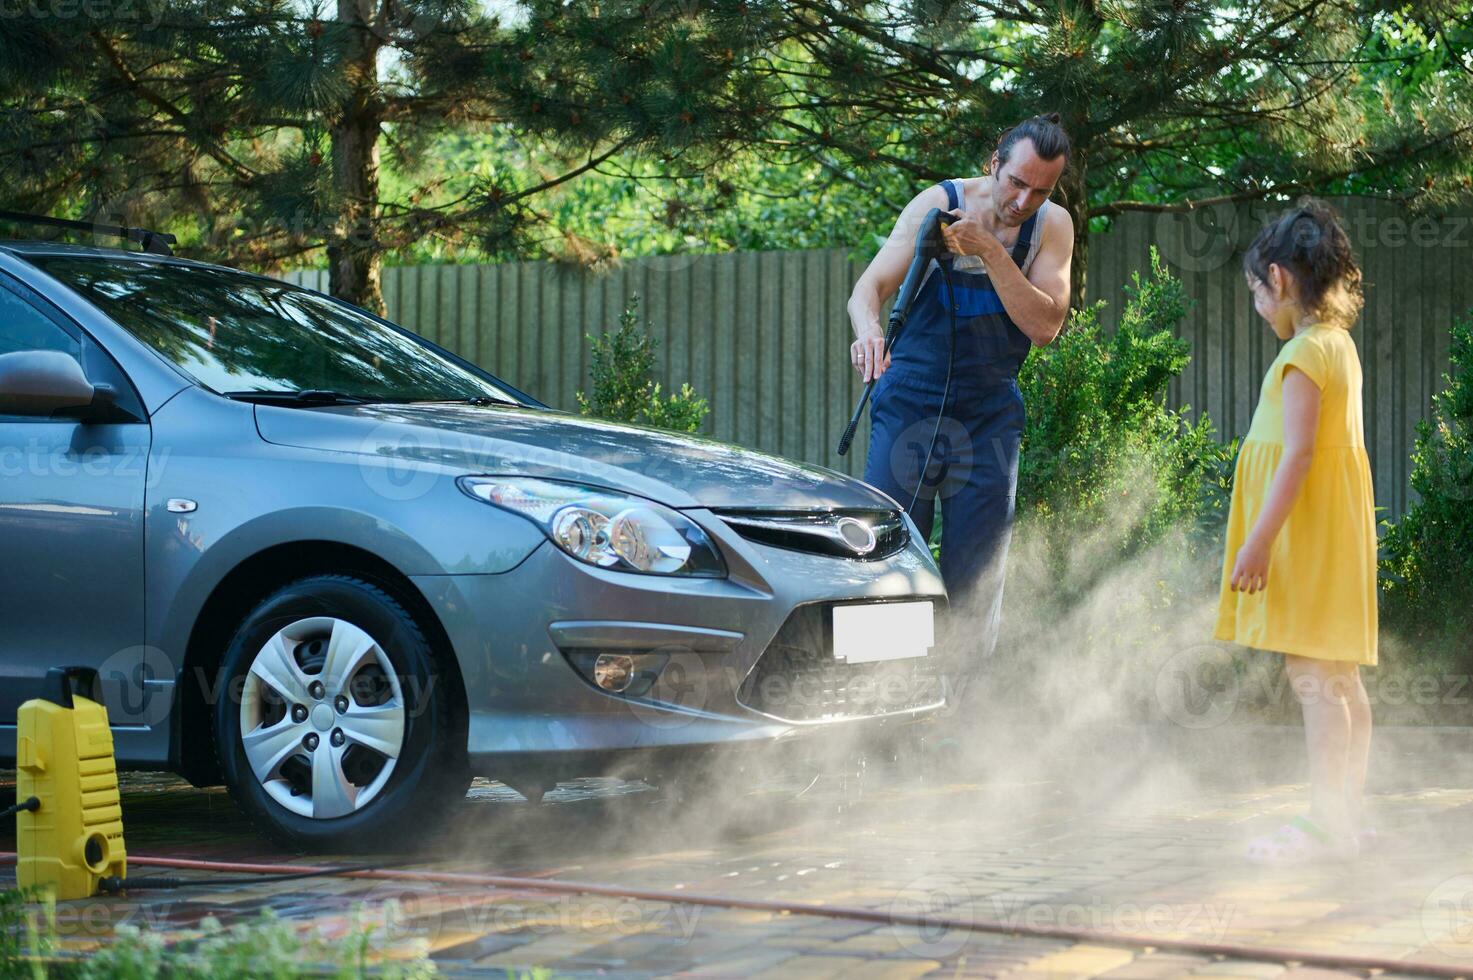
(340, 725)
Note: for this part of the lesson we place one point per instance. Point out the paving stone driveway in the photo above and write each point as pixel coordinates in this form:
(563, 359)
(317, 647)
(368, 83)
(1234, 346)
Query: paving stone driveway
(1127, 830)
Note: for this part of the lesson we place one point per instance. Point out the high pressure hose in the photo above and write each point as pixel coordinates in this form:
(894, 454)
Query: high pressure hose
(928, 247)
(945, 391)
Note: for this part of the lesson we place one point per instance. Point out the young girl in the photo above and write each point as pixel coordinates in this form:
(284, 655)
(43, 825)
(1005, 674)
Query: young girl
(1299, 576)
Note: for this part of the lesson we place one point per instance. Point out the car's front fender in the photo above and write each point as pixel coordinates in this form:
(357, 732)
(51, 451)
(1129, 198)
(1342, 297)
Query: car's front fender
(218, 495)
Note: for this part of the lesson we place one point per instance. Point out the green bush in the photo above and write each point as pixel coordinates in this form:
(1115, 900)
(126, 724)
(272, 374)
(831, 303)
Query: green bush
(1427, 556)
(1121, 509)
(1104, 458)
(624, 389)
(265, 946)
(27, 932)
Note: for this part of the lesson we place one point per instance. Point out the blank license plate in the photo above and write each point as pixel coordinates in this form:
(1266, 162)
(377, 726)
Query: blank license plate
(883, 631)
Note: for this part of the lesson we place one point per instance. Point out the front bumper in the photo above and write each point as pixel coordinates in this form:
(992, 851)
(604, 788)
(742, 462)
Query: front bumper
(529, 707)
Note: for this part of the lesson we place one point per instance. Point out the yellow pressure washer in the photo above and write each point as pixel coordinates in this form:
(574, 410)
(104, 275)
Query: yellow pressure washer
(69, 825)
(69, 815)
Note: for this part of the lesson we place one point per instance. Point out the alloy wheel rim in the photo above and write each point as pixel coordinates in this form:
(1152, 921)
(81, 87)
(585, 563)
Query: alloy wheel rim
(322, 717)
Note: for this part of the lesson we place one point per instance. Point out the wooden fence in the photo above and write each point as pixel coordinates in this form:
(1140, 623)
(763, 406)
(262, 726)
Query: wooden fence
(764, 335)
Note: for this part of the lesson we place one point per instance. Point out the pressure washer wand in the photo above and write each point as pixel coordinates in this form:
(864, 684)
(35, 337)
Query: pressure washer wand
(929, 245)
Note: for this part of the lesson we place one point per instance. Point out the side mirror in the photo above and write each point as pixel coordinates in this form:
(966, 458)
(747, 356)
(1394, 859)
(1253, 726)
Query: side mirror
(41, 383)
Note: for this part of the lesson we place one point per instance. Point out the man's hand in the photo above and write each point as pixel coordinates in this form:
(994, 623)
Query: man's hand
(1038, 301)
(966, 236)
(1250, 569)
(868, 356)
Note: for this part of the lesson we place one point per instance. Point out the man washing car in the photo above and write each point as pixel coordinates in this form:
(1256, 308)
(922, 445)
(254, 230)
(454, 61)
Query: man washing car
(1009, 260)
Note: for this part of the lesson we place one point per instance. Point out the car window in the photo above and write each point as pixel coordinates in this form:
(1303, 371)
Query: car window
(234, 332)
(25, 327)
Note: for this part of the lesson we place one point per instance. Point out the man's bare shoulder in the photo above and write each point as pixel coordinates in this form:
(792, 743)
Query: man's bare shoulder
(1058, 225)
(910, 218)
(928, 197)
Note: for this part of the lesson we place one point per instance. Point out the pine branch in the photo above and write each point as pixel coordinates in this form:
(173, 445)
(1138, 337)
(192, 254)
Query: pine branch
(1315, 183)
(120, 67)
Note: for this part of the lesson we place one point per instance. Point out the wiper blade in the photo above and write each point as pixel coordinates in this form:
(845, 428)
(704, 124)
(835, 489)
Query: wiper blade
(304, 396)
(480, 401)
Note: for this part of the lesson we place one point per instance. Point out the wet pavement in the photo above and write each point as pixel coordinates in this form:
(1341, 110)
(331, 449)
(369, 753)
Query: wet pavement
(1130, 831)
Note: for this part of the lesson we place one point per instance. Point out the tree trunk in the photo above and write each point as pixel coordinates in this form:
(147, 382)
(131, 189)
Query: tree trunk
(1076, 199)
(354, 260)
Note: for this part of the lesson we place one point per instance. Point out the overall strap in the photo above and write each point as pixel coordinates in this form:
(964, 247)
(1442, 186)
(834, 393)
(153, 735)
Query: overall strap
(953, 188)
(1035, 238)
(1024, 244)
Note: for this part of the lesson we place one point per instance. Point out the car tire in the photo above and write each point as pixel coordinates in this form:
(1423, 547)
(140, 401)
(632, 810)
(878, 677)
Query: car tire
(344, 755)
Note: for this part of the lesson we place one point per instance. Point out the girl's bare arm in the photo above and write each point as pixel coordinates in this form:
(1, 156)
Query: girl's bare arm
(1301, 420)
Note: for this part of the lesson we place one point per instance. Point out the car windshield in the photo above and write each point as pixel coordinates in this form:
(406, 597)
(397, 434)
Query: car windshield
(240, 334)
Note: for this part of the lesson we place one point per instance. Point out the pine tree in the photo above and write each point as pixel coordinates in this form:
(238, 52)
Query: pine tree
(1173, 105)
(261, 126)
(258, 130)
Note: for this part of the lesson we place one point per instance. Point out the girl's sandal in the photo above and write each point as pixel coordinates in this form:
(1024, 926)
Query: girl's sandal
(1300, 841)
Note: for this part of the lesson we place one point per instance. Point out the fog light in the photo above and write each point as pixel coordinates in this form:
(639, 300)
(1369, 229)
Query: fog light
(613, 672)
(630, 674)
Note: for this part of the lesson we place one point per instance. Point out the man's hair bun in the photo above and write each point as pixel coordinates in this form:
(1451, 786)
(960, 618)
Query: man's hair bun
(1048, 137)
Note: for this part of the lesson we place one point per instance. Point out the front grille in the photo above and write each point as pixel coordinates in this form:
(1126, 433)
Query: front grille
(798, 679)
(821, 532)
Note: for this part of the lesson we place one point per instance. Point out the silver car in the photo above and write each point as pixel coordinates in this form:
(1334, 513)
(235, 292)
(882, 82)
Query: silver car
(341, 570)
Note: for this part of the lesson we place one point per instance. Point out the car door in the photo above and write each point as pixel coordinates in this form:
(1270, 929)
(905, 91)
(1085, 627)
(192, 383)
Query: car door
(71, 522)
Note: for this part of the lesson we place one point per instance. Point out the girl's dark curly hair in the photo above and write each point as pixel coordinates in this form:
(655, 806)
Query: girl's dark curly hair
(1311, 244)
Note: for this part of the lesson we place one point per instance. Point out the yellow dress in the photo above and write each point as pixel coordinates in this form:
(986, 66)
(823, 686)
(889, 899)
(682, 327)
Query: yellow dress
(1320, 597)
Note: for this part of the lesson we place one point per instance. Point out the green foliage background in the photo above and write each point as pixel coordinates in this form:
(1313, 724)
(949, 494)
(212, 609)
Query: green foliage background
(624, 389)
(1103, 448)
(1427, 556)
(1104, 455)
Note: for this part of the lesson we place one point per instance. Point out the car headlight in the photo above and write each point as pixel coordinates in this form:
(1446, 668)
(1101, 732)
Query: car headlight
(604, 528)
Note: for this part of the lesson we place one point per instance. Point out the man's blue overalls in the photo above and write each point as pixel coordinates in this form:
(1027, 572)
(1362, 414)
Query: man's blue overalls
(974, 467)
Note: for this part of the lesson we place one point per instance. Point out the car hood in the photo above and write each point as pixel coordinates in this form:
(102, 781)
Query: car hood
(677, 469)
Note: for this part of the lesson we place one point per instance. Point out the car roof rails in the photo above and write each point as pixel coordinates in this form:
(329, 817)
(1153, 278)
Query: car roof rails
(156, 242)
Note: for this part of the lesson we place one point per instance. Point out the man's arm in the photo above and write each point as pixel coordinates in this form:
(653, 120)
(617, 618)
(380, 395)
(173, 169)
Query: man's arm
(1039, 303)
(881, 278)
